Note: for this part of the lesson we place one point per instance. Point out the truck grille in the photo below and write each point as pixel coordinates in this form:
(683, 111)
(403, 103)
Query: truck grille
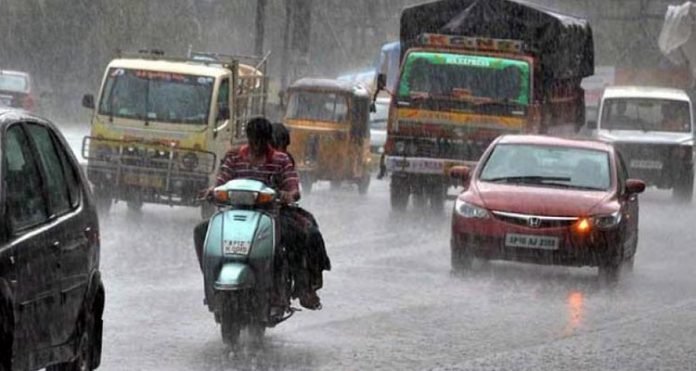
(455, 149)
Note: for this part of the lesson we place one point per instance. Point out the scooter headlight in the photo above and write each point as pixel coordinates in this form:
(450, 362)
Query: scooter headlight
(469, 211)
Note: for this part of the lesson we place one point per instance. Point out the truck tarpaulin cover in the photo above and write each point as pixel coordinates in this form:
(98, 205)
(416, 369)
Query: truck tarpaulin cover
(563, 43)
(677, 39)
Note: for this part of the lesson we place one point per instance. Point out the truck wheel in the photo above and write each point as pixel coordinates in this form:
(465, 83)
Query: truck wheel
(398, 194)
(684, 186)
(230, 321)
(364, 184)
(437, 198)
(135, 206)
(6, 335)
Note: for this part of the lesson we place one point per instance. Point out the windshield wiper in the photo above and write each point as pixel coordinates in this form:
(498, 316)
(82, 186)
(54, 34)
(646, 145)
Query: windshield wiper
(532, 179)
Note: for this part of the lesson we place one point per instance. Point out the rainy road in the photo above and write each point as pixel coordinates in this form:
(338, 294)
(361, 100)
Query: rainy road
(391, 302)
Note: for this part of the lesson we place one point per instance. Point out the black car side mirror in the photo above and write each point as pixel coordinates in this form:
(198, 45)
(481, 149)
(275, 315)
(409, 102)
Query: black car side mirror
(88, 101)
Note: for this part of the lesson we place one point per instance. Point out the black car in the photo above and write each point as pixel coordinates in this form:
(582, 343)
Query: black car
(51, 293)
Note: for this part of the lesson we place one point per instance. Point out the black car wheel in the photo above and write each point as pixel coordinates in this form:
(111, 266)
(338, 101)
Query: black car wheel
(83, 359)
(6, 335)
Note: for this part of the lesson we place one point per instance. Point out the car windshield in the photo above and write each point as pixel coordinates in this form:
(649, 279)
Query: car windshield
(471, 78)
(550, 166)
(646, 115)
(318, 106)
(14, 83)
(157, 96)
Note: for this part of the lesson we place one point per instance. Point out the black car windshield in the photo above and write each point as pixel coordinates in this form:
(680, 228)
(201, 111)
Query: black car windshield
(318, 106)
(646, 115)
(552, 166)
(157, 96)
(15, 83)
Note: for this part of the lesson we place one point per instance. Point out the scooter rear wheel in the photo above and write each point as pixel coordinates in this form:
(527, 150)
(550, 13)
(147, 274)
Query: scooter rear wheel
(230, 323)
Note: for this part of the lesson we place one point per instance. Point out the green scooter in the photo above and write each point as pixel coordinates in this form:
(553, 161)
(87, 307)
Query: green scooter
(244, 264)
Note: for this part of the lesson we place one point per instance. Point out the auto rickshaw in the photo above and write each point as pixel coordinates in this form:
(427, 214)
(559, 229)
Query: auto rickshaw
(329, 132)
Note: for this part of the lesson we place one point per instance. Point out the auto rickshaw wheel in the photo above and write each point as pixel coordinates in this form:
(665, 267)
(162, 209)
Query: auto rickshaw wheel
(364, 184)
(306, 182)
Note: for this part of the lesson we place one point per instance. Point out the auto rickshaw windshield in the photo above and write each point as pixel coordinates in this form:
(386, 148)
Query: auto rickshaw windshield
(318, 106)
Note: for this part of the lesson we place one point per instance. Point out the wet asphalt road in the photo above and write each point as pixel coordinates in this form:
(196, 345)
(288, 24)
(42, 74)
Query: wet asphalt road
(391, 303)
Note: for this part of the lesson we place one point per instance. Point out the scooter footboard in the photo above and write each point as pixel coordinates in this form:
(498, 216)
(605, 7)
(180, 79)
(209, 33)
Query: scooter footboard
(235, 276)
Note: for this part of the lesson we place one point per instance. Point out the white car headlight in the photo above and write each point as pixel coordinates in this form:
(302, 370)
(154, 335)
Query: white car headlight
(468, 210)
(608, 221)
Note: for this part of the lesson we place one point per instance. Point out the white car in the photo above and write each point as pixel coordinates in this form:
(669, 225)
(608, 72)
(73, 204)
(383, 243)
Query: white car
(378, 125)
(653, 130)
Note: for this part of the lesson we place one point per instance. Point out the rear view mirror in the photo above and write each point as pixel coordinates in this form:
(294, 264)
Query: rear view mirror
(88, 101)
(223, 114)
(592, 124)
(460, 173)
(381, 81)
(635, 186)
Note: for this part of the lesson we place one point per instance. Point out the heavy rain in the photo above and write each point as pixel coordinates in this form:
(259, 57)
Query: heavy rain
(347, 185)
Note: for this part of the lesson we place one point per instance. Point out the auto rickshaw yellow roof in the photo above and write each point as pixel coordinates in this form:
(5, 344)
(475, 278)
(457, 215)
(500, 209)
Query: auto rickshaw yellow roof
(182, 67)
(330, 85)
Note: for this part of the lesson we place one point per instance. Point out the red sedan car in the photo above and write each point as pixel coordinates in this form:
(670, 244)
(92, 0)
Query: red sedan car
(547, 200)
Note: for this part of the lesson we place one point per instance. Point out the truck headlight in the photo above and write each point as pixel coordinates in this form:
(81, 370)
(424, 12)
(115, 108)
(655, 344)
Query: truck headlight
(400, 147)
(470, 211)
(608, 221)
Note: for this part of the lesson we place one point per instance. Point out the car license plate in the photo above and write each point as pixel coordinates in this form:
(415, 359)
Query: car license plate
(231, 247)
(143, 180)
(531, 241)
(646, 164)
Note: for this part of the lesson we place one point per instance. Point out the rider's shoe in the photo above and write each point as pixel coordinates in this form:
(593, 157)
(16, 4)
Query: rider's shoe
(310, 300)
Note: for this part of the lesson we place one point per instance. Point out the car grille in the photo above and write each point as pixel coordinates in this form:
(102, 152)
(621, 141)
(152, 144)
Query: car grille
(535, 221)
(636, 152)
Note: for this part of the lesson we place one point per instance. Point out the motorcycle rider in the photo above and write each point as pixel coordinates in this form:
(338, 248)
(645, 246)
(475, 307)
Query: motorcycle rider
(259, 161)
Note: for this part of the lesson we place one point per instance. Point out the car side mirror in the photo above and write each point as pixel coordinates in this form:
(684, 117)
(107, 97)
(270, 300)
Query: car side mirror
(88, 101)
(635, 186)
(460, 173)
(223, 114)
(592, 124)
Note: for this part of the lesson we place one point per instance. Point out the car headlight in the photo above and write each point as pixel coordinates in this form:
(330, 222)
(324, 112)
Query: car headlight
(608, 221)
(468, 210)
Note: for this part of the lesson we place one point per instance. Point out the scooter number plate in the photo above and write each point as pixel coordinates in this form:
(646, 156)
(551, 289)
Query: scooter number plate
(236, 247)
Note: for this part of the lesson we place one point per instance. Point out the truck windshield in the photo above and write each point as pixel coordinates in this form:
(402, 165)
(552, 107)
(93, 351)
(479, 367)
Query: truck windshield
(318, 106)
(157, 96)
(471, 78)
(646, 115)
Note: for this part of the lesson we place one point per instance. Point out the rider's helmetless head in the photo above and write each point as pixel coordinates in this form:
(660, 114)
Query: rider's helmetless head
(259, 132)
